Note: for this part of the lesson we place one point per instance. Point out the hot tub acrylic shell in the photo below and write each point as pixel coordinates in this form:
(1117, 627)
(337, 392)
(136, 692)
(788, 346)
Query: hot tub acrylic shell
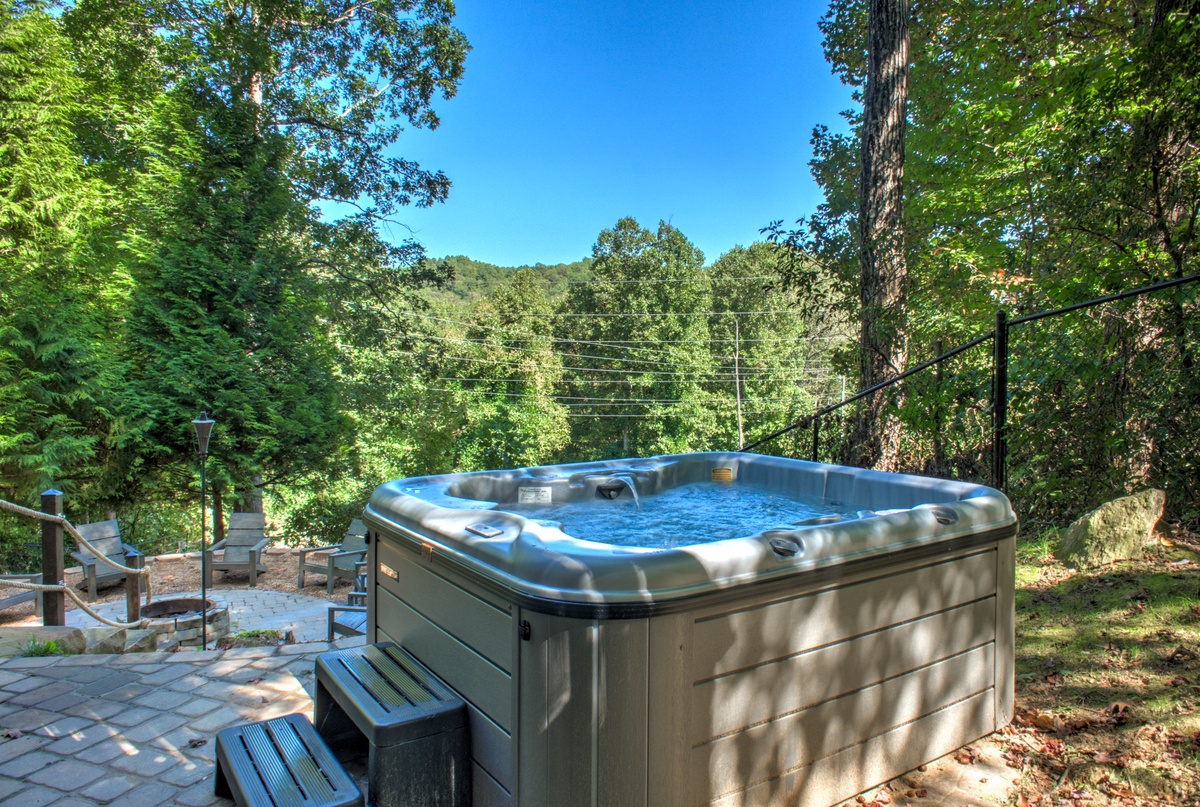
(730, 673)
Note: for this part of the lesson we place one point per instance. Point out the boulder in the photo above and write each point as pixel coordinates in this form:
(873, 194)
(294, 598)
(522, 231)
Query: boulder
(105, 641)
(1118, 530)
(67, 641)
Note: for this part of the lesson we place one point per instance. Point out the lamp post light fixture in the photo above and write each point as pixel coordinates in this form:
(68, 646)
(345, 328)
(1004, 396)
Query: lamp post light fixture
(203, 426)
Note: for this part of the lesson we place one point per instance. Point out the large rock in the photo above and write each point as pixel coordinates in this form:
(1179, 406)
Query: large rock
(1118, 530)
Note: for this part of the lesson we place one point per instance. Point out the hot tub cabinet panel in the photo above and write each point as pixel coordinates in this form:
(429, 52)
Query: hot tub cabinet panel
(797, 689)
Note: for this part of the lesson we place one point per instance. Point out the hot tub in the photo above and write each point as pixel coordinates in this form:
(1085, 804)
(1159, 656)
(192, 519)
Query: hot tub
(820, 649)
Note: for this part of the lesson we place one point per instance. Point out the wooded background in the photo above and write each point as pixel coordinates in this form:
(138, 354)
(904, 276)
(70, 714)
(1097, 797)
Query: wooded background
(195, 202)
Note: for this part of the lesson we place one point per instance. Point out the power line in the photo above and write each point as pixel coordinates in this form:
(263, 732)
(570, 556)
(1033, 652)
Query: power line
(705, 278)
(599, 401)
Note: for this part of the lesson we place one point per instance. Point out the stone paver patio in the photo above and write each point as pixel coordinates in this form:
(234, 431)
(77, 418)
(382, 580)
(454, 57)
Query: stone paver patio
(137, 730)
(249, 609)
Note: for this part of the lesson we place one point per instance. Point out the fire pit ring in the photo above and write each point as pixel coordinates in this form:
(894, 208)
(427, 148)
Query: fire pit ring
(176, 620)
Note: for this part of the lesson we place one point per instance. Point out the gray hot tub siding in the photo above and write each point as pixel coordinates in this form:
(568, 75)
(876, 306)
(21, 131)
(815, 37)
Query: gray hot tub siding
(802, 689)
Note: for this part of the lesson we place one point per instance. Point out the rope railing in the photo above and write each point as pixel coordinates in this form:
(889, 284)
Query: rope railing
(61, 585)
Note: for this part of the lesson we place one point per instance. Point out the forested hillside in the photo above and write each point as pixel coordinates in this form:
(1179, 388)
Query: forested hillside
(192, 211)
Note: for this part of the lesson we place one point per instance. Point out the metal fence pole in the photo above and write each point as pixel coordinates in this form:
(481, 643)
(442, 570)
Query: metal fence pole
(54, 603)
(1000, 402)
(816, 437)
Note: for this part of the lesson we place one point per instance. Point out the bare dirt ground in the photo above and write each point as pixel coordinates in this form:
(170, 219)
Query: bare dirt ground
(172, 574)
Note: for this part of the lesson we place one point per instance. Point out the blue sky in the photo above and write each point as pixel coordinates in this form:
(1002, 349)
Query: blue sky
(574, 114)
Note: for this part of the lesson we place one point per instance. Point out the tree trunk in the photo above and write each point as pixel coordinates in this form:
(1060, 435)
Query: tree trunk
(883, 344)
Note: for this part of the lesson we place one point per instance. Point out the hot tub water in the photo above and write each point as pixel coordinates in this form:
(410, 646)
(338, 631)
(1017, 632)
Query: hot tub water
(696, 513)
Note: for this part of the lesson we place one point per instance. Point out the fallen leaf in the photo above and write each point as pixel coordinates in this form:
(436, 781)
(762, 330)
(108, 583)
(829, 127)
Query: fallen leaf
(1118, 707)
(1054, 679)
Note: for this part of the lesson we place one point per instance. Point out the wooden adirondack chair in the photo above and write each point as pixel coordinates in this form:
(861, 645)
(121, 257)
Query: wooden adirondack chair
(242, 547)
(10, 596)
(106, 537)
(351, 619)
(337, 560)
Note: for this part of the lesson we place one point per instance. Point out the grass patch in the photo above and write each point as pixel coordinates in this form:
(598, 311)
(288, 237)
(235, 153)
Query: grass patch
(1108, 678)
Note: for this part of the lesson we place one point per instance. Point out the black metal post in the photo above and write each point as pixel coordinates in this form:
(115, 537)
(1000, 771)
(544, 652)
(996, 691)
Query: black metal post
(203, 554)
(203, 426)
(54, 603)
(1000, 402)
(816, 437)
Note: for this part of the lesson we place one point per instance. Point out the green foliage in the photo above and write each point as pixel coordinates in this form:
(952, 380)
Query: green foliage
(53, 397)
(39, 649)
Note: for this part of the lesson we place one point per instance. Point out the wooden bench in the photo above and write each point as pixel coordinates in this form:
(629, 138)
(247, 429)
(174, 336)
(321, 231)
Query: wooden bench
(337, 560)
(414, 725)
(281, 762)
(10, 596)
(351, 619)
(242, 548)
(106, 537)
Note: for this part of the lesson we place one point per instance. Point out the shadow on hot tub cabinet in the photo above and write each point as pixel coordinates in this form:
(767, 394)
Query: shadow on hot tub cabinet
(803, 690)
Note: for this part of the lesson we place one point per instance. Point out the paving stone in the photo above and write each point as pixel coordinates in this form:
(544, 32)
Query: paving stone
(71, 801)
(271, 663)
(249, 652)
(188, 773)
(154, 728)
(31, 662)
(225, 667)
(110, 788)
(38, 796)
(127, 692)
(11, 749)
(28, 719)
(148, 762)
(7, 678)
(218, 720)
(307, 647)
(188, 683)
(161, 699)
(96, 709)
(44, 693)
(196, 707)
(200, 795)
(86, 675)
(24, 683)
(67, 775)
(243, 676)
(63, 727)
(146, 796)
(114, 680)
(9, 787)
(27, 764)
(132, 716)
(162, 675)
(132, 659)
(83, 661)
(64, 702)
(104, 751)
(77, 741)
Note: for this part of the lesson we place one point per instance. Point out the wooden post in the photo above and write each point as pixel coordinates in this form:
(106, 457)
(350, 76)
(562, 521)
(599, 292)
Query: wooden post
(54, 603)
(133, 589)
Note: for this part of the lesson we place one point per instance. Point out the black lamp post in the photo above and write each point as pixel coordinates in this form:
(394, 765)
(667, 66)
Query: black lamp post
(203, 426)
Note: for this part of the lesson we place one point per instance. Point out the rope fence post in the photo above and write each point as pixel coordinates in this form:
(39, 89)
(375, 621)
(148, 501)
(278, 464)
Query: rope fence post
(133, 588)
(54, 604)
